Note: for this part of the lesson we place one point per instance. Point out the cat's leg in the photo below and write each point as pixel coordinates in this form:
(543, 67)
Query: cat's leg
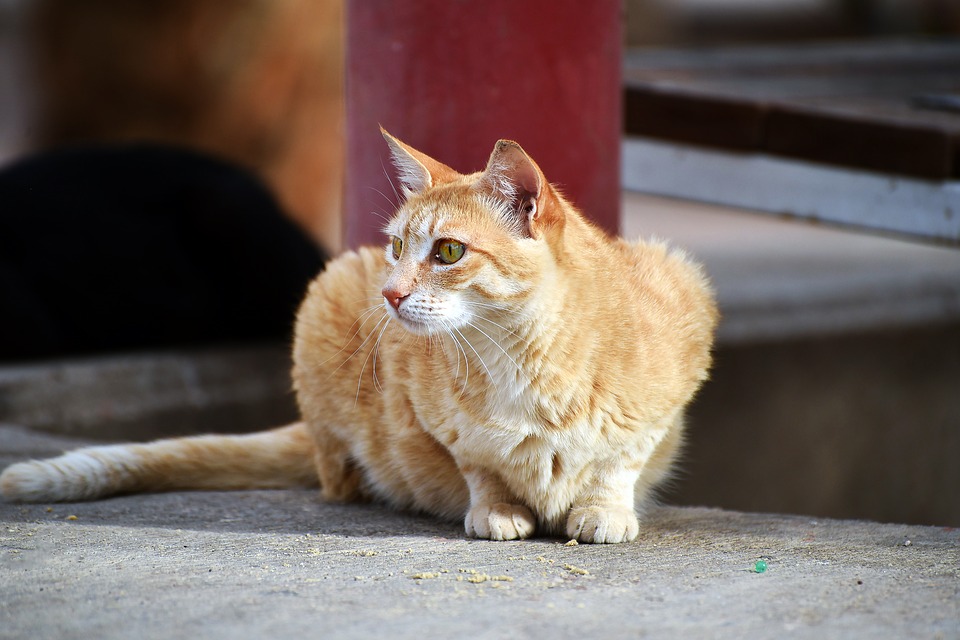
(495, 513)
(604, 512)
(340, 478)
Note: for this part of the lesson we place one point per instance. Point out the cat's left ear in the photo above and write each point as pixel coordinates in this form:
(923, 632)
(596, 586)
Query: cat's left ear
(513, 176)
(416, 171)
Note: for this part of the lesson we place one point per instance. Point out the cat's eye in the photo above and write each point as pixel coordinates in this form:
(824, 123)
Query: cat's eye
(397, 245)
(449, 251)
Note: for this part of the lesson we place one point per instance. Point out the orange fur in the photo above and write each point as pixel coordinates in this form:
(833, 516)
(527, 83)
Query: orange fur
(537, 383)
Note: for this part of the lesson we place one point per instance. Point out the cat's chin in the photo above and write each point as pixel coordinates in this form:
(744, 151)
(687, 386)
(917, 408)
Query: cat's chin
(416, 327)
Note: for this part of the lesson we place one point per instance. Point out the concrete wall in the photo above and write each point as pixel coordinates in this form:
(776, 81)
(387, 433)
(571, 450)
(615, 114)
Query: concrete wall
(859, 426)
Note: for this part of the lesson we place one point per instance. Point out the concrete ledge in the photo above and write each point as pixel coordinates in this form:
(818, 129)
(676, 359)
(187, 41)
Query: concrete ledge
(283, 564)
(149, 395)
(920, 208)
(787, 279)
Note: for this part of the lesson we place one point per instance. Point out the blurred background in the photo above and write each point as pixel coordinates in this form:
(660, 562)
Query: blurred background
(727, 22)
(805, 150)
(261, 82)
(254, 81)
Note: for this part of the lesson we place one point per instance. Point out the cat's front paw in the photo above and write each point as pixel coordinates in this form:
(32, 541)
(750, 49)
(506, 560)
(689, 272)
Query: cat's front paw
(500, 521)
(602, 524)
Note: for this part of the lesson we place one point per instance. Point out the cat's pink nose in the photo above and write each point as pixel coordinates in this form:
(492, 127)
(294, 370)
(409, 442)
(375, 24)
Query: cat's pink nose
(394, 297)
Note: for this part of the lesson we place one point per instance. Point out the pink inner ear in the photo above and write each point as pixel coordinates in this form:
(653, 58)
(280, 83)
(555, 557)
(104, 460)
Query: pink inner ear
(511, 175)
(416, 170)
(521, 172)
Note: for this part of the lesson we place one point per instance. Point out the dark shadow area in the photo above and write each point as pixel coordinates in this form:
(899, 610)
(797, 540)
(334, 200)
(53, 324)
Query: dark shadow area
(118, 247)
(283, 511)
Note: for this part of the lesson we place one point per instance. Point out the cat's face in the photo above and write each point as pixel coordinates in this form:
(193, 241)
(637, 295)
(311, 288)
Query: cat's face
(457, 258)
(467, 250)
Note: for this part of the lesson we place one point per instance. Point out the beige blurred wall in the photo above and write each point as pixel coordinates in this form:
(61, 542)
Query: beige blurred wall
(259, 82)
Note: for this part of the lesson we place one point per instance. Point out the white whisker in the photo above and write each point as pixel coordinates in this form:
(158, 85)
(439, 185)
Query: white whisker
(497, 345)
(383, 216)
(466, 363)
(364, 316)
(367, 359)
(499, 326)
(361, 318)
(480, 358)
(499, 309)
(390, 182)
(376, 351)
(357, 350)
(487, 305)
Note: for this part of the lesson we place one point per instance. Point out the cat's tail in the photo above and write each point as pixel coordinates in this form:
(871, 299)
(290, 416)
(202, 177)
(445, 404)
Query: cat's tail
(274, 459)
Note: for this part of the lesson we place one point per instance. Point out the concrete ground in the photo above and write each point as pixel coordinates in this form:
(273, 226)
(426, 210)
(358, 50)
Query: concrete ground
(283, 564)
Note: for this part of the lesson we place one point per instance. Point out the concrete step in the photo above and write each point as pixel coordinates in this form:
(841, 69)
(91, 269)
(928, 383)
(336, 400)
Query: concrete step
(141, 396)
(780, 279)
(283, 564)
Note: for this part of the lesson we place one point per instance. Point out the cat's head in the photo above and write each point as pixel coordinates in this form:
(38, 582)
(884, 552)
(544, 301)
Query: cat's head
(463, 249)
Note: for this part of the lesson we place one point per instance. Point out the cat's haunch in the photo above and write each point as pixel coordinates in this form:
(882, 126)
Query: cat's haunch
(501, 361)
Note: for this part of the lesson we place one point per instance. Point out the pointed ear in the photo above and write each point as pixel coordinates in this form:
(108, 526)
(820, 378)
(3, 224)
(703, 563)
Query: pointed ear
(513, 176)
(416, 171)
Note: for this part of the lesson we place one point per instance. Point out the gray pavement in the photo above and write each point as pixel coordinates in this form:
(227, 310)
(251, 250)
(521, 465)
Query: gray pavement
(283, 564)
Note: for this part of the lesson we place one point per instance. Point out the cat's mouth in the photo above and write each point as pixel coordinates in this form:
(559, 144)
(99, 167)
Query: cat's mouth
(416, 326)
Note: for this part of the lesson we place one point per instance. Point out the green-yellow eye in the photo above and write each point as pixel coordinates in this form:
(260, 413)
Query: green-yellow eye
(449, 251)
(397, 246)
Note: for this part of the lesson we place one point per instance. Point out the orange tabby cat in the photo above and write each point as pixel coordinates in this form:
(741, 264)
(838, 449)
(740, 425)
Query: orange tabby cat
(503, 361)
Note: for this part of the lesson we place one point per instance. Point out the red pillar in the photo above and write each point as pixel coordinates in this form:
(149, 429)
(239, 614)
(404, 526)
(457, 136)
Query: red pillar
(451, 77)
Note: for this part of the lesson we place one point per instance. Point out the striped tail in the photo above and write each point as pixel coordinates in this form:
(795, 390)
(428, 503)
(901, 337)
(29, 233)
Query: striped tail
(274, 459)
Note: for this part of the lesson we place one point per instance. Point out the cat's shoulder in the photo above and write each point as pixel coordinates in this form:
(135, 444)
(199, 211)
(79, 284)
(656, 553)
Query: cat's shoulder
(352, 278)
(352, 267)
(653, 254)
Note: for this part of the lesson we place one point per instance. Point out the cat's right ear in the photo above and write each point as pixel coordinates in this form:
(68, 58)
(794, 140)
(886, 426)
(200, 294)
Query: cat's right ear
(512, 176)
(416, 171)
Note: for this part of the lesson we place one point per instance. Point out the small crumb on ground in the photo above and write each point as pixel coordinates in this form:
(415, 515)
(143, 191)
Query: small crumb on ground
(427, 575)
(576, 570)
(479, 578)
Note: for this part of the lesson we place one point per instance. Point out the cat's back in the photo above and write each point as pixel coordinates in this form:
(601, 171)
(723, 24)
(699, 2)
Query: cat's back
(671, 276)
(673, 309)
(348, 287)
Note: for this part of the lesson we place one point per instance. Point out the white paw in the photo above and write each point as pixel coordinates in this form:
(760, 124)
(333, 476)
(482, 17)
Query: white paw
(500, 521)
(602, 524)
